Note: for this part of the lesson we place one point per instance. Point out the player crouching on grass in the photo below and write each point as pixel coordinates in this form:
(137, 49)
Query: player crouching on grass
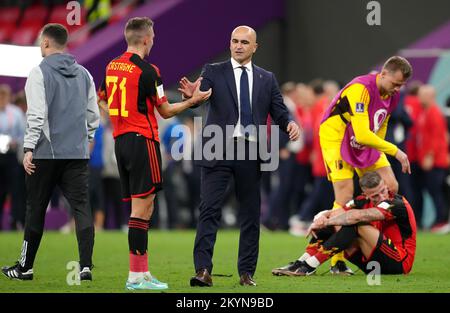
(376, 226)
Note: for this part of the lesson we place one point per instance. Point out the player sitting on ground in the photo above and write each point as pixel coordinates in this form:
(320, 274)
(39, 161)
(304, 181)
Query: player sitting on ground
(376, 226)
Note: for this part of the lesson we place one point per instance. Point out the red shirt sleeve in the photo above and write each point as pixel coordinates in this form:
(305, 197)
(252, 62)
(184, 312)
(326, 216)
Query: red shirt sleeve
(160, 95)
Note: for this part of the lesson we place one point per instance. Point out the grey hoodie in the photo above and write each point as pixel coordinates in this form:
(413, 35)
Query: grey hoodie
(62, 113)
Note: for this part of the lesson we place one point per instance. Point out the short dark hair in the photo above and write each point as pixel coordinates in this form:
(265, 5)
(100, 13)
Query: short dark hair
(398, 63)
(413, 87)
(317, 86)
(369, 180)
(57, 32)
(135, 27)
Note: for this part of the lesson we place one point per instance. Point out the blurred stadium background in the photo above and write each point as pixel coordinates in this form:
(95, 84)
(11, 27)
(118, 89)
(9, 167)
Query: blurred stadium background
(311, 46)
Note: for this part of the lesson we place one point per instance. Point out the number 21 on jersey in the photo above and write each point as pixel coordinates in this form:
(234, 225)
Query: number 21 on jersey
(123, 95)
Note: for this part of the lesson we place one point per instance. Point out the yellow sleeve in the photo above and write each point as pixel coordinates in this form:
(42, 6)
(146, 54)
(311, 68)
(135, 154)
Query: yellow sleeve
(359, 98)
(383, 129)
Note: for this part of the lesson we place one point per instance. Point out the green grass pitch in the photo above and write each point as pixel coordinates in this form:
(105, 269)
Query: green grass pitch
(170, 255)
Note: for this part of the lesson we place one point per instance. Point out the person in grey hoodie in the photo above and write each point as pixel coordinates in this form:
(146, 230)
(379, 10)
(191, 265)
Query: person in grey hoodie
(62, 117)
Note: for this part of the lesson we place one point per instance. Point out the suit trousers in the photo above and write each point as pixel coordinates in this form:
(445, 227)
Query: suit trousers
(214, 182)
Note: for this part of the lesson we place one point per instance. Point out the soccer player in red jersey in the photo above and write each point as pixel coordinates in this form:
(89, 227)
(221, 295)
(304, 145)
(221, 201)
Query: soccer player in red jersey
(132, 90)
(376, 226)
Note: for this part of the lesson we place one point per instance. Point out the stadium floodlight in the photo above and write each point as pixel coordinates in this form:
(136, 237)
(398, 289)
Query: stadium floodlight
(17, 61)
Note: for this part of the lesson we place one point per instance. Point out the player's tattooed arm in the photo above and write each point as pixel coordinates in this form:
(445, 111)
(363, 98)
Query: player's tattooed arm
(355, 216)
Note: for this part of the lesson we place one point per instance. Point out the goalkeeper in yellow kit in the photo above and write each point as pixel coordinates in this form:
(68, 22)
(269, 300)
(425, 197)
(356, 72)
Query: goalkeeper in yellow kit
(352, 134)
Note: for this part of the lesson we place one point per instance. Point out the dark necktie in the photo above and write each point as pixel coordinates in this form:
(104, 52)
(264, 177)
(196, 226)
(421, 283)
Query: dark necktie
(246, 111)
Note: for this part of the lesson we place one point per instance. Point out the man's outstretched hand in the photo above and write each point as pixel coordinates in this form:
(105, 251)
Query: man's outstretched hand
(187, 87)
(199, 96)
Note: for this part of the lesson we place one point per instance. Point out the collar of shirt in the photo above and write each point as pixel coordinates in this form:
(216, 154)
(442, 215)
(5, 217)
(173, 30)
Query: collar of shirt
(236, 65)
(237, 76)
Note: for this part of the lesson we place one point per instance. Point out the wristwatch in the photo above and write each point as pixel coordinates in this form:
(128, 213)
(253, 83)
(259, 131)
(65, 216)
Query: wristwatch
(25, 150)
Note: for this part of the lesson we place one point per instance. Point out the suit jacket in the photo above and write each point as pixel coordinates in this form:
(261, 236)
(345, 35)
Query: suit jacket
(222, 106)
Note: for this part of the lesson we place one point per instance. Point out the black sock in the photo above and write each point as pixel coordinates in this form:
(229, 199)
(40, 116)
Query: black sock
(342, 239)
(137, 235)
(322, 235)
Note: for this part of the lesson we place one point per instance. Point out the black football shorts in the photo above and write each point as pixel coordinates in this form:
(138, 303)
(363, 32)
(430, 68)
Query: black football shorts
(139, 163)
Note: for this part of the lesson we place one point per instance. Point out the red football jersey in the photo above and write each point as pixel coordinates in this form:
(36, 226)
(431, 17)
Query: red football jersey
(132, 88)
(399, 225)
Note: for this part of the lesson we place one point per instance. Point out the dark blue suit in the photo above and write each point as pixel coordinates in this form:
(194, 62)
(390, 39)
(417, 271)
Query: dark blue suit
(215, 176)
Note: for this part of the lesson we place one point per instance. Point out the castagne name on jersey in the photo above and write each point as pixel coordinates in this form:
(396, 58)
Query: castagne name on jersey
(120, 66)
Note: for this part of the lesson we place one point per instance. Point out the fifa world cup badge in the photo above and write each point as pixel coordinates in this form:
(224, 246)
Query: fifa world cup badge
(359, 107)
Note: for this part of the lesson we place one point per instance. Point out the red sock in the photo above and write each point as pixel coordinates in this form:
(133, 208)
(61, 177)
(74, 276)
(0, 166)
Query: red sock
(322, 255)
(144, 263)
(137, 243)
(312, 248)
(138, 263)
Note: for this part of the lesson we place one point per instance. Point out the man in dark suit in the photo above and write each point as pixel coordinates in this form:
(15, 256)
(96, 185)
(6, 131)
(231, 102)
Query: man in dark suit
(232, 105)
